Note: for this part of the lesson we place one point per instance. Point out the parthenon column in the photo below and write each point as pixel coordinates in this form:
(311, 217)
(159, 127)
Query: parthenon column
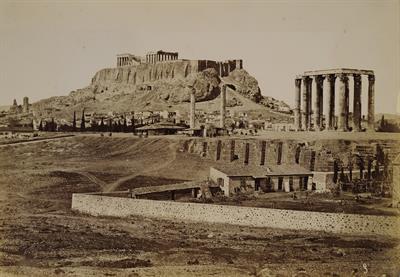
(318, 84)
(297, 105)
(371, 102)
(343, 85)
(357, 103)
(305, 106)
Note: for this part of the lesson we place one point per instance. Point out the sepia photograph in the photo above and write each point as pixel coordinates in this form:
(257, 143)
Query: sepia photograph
(195, 138)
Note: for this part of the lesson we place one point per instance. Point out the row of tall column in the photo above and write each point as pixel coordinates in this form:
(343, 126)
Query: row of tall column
(307, 112)
(121, 61)
(159, 57)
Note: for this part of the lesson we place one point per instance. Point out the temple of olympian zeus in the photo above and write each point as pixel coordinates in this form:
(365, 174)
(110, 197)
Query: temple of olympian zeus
(309, 116)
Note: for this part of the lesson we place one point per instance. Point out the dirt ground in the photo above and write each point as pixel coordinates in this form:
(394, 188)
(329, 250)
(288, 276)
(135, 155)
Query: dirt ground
(40, 236)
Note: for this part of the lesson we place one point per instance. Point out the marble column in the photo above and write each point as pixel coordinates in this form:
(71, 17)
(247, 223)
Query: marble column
(297, 105)
(357, 103)
(343, 83)
(192, 107)
(305, 106)
(223, 106)
(309, 95)
(330, 123)
(347, 94)
(371, 102)
(318, 84)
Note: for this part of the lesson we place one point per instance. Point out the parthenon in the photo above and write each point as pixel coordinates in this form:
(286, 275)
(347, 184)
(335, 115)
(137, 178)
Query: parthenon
(160, 56)
(310, 117)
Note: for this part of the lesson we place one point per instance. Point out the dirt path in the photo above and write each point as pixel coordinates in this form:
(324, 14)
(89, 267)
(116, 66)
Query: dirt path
(36, 140)
(112, 186)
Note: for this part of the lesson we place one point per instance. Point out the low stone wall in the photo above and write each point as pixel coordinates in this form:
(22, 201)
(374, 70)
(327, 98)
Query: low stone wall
(99, 205)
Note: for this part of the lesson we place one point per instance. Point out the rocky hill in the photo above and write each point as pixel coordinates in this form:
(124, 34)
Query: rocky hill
(162, 86)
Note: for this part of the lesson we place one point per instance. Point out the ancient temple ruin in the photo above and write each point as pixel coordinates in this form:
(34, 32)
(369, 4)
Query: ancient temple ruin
(309, 116)
(160, 56)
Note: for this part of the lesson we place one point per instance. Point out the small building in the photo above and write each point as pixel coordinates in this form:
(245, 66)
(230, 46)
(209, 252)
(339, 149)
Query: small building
(235, 178)
(17, 132)
(160, 129)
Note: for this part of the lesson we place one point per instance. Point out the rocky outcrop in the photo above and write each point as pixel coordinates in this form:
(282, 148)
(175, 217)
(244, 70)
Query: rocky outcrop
(155, 86)
(242, 82)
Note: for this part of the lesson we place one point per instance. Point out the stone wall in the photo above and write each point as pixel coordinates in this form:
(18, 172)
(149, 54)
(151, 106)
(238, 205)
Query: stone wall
(316, 156)
(98, 205)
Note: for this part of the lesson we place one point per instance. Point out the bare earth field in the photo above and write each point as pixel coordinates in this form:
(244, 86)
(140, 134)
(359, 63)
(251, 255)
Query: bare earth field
(40, 236)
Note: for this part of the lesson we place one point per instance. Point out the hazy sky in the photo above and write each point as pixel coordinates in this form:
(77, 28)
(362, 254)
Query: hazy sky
(51, 48)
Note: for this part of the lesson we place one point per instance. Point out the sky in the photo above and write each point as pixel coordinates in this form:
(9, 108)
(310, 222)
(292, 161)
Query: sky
(51, 48)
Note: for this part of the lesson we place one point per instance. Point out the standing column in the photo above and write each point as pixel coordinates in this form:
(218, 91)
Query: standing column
(223, 106)
(347, 106)
(318, 81)
(357, 103)
(371, 102)
(305, 106)
(331, 101)
(192, 107)
(309, 96)
(297, 104)
(343, 83)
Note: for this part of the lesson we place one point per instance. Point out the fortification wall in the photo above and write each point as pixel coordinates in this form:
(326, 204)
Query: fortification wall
(98, 205)
(147, 72)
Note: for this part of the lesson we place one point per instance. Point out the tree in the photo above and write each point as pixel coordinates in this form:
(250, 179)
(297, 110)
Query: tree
(110, 125)
(102, 125)
(53, 125)
(83, 121)
(335, 171)
(74, 123)
(382, 123)
(40, 128)
(133, 123)
(124, 127)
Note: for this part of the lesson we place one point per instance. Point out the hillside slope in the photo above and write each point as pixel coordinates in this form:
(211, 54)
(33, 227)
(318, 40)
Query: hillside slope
(116, 90)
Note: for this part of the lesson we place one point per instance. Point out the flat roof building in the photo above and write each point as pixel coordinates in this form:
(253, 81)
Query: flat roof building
(237, 178)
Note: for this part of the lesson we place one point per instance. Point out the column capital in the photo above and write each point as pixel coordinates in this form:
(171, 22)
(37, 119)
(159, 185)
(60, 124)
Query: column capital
(330, 77)
(357, 78)
(343, 77)
(297, 81)
(371, 78)
(305, 78)
(319, 79)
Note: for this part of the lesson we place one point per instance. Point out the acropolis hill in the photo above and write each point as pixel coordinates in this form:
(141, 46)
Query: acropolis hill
(160, 81)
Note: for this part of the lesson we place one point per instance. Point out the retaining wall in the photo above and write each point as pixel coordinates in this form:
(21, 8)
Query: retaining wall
(248, 216)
